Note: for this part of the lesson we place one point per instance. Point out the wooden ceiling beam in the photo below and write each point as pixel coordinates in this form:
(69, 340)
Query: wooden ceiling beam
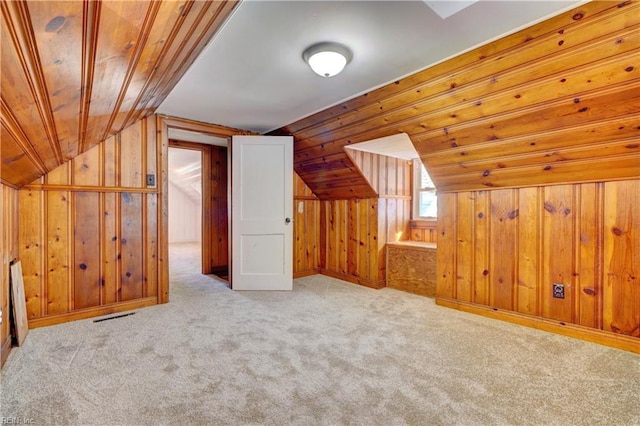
(90, 27)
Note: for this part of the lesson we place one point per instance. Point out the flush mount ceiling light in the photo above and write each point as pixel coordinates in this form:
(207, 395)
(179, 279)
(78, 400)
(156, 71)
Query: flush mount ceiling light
(327, 59)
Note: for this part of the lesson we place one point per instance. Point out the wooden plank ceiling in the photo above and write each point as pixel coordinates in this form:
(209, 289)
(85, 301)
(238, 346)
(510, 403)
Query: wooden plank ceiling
(557, 102)
(74, 72)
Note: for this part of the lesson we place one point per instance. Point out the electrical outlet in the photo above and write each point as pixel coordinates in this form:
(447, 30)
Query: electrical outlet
(151, 180)
(558, 291)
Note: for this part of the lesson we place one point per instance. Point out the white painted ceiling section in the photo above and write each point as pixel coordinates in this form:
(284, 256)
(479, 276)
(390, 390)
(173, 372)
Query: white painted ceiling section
(252, 76)
(444, 9)
(399, 146)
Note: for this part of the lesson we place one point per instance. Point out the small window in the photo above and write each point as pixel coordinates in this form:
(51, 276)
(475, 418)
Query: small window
(425, 200)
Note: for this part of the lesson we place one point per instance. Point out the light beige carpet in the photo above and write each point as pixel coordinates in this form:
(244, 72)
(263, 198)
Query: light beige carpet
(328, 353)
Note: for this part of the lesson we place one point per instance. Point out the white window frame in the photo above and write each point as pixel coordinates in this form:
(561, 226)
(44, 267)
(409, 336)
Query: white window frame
(417, 189)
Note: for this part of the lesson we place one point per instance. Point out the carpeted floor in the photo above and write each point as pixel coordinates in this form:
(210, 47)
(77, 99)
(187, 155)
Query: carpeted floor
(328, 353)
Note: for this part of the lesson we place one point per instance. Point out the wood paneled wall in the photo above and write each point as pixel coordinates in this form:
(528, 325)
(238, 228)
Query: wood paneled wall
(306, 229)
(353, 232)
(218, 208)
(350, 245)
(424, 230)
(388, 176)
(553, 103)
(505, 248)
(74, 73)
(9, 251)
(391, 178)
(89, 230)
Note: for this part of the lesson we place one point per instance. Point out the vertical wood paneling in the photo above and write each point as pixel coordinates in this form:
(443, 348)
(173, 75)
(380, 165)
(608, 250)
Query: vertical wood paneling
(386, 175)
(381, 239)
(353, 232)
(87, 243)
(85, 168)
(111, 248)
(622, 258)
(299, 263)
(111, 165)
(365, 249)
(584, 236)
(151, 164)
(350, 247)
(151, 246)
(131, 250)
(31, 243)
(162, 148)
(558, 258)
(8, 251)
(86, 264)
(330, 259)
(423, 230)
(588, 280)
(464, 246)
(502, 242)
(353, 229)
(528, 251)
(481, 215)
(323, 239)
(337, 224)
(131, 158)
(219, 207)
(97, 227)
(341, 237)
(60, 175)
(57, 269)
(447, 259)
(210, 213)
(372, 207)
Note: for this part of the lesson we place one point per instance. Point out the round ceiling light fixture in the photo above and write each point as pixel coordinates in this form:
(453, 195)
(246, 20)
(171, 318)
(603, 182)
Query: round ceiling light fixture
(327, 59)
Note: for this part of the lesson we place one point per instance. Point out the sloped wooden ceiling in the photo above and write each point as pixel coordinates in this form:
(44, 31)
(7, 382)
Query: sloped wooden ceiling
(75, 72)
(557, 102)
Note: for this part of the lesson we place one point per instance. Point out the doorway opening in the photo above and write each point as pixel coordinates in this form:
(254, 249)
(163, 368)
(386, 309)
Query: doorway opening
(198, 217)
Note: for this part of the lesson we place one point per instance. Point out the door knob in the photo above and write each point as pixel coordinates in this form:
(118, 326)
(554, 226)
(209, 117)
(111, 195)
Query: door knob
(287, 220)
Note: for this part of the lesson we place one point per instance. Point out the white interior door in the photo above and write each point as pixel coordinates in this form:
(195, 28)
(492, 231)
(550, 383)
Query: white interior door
(261, 212)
